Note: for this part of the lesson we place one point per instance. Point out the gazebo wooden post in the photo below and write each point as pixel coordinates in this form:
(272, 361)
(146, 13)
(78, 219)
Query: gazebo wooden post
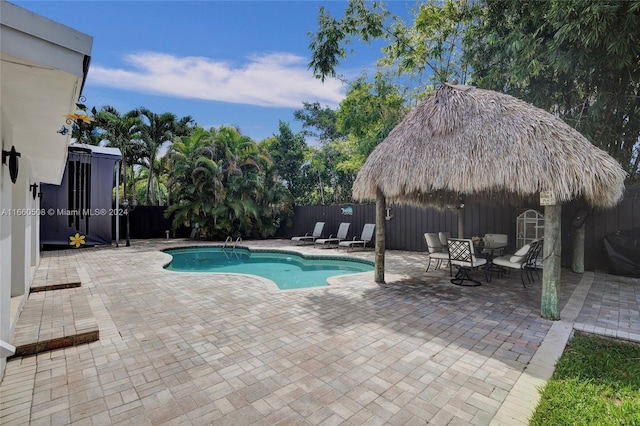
(461, 219)
(381, 208)
(577, 263)
(550, 304)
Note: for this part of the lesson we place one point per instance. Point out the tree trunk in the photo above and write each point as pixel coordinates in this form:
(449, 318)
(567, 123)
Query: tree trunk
(321, 187)
(159, 194)
(150, 192)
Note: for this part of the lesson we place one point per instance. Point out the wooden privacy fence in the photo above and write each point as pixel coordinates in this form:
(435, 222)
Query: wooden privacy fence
(407, 224)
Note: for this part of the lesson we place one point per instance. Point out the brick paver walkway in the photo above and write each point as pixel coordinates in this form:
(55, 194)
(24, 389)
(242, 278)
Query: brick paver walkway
(194, 348)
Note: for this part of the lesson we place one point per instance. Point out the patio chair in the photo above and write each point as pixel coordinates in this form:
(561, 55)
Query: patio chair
(461, 254)
(495, 244)
(317, 233)
(365, 238)
(533, 260)
(444, 237)
(524, 259)
(341, 235)
(436, 251)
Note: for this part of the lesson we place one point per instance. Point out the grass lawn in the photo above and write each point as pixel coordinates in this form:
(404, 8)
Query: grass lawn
(596, 382)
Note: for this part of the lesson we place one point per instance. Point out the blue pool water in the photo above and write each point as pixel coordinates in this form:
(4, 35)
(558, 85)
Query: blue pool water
(288, 270)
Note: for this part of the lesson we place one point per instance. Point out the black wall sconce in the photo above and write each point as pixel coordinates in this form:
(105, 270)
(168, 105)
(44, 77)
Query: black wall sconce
(13, 162)
(34, 190)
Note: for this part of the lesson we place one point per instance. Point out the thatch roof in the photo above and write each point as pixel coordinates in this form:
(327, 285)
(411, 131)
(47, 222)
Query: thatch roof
(488, 146)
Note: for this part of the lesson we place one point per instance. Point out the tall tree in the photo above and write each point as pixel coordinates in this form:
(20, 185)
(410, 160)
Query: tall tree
(423, 53)
(158, 130)
(370, 111)
(223, 185)
(346, 136)
(121, 131)
(318, 123)
(287, 151)
(577, 58)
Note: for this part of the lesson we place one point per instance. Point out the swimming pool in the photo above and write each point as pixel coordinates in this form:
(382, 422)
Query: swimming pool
(289, 270)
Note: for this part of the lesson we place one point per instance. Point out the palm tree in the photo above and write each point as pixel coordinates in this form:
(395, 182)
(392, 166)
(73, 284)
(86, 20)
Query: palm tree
(122, 132)
(193, 174)
(180, 157)
(161, 173)
(221, 184)
(238, 157)
(157, 131)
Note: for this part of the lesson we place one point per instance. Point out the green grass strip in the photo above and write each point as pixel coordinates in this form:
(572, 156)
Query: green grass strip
(596, 382)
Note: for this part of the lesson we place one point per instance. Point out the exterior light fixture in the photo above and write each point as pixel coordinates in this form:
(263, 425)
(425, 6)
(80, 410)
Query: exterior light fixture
(34, 190)
(13, 162)
(389, 216)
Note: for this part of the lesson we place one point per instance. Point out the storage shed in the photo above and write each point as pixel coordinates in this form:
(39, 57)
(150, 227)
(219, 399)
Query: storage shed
(82, 203)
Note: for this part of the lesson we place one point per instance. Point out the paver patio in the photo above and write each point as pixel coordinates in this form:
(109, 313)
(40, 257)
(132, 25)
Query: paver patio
(192, 348)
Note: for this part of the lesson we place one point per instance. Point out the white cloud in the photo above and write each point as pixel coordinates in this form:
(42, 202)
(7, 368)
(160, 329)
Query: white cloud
(270, 80)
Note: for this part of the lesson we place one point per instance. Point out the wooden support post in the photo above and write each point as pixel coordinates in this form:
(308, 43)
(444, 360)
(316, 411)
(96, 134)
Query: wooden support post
(380, 236)
(577, 263)
(550, 304)
(461, 219)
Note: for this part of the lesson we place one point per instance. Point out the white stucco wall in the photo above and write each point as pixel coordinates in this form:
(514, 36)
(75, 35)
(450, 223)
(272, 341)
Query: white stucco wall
(5, 246)
(21, 233)
(44, 64)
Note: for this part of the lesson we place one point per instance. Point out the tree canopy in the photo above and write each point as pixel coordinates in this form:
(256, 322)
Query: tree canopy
(579, 59)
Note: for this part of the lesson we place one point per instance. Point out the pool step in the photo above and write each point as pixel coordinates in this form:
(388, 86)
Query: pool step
(47, 279)
(56, 314)
(54, 319)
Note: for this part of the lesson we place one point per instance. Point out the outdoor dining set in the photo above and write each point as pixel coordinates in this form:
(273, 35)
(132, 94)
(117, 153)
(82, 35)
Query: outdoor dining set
(488, 253)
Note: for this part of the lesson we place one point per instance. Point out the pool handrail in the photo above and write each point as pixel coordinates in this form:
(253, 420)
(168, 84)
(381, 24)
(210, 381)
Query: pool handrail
(228, 240)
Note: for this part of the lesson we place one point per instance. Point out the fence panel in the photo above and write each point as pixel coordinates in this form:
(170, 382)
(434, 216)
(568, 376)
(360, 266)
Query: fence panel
(407, 224)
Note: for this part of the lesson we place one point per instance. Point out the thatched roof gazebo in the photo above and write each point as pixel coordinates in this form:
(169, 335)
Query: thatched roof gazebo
(483, 145)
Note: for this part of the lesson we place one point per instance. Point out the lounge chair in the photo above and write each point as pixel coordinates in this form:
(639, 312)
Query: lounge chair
(436, 251)
(365, 238)
(310, 238)
(461, 254)
(343, 231)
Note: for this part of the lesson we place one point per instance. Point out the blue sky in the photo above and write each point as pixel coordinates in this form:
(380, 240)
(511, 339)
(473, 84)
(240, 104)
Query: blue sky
(242, 63)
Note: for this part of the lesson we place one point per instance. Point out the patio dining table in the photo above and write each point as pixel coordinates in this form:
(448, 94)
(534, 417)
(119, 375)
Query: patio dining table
(490, 251)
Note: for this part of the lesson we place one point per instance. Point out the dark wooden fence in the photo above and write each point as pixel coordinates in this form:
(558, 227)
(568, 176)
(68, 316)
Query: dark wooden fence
(408, 224)
(148, 222)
